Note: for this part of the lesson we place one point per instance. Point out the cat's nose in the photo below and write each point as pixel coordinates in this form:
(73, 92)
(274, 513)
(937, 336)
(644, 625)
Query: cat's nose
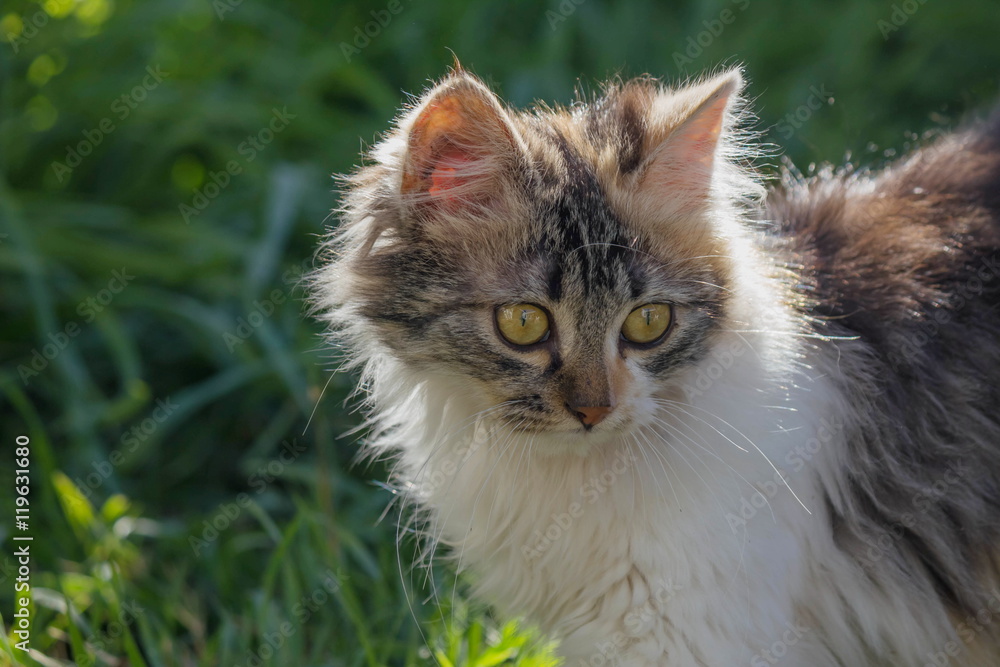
(590, 416)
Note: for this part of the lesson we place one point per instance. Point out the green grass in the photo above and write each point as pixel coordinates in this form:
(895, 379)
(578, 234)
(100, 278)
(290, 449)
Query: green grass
(183, 371)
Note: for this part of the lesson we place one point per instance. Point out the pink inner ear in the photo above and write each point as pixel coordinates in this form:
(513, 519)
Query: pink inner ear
(685, 162)
(447, 174)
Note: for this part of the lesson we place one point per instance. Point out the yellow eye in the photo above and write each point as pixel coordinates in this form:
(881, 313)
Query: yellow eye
(647, 323)
(522, 323)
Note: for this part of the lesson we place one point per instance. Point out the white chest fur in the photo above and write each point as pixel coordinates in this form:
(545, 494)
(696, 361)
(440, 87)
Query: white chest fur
(689, 540)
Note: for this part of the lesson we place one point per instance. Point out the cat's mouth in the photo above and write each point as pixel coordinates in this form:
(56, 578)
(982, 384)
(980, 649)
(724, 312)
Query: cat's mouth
(568, 425)
(568, 431)
(557, 430)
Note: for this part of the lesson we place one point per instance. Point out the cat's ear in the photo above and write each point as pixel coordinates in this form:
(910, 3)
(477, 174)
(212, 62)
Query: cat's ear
(460, 144)
(685, 134)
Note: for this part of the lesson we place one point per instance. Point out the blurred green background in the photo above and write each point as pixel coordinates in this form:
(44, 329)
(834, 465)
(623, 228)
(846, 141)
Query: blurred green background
(164, 177)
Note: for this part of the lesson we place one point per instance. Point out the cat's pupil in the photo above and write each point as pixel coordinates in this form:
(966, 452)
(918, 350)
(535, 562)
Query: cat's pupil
(524, 317)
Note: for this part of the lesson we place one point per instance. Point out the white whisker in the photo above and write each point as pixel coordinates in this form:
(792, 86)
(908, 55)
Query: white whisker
(681, 406)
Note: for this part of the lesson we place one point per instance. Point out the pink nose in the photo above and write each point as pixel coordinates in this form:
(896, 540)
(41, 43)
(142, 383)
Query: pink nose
(590, 416)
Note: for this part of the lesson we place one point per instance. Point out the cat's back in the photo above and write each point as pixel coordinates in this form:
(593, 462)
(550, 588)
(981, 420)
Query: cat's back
(907, 259)
(898, 276)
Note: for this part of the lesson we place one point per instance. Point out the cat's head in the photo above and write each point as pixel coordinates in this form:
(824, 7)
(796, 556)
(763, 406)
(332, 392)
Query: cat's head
(563, 266)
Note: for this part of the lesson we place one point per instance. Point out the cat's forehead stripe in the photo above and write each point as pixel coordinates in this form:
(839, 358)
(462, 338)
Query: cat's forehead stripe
(581, 232)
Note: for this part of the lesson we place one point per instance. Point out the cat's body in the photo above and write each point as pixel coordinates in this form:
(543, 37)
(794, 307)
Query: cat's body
(802, 469)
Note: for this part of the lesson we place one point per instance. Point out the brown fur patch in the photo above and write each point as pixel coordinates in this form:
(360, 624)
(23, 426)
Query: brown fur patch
(905, 266)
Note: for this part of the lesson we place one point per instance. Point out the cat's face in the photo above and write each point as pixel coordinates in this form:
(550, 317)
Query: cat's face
(563, 265)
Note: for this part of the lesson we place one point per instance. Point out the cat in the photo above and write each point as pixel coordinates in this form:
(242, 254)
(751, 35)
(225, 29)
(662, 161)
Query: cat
(667, 414)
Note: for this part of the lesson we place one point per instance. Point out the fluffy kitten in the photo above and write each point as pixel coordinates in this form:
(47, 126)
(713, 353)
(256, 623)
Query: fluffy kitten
(668, 422)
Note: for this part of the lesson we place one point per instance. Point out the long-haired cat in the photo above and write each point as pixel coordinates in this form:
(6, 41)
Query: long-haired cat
(668, 416)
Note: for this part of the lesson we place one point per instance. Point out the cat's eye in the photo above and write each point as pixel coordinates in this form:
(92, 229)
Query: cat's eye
(522, 323)
(647, 323)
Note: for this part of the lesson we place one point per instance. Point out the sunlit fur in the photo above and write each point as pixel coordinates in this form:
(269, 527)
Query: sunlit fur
(724, 512)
